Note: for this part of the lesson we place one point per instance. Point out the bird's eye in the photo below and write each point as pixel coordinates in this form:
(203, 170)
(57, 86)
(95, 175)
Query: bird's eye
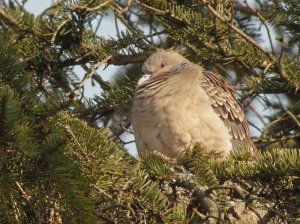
(162, 65)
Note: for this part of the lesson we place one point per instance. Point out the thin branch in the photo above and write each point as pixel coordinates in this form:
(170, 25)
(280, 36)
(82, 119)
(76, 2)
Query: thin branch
(294, 118)
(125, 143)
(255, 126)
(59, 28)
(90, 3)
(22, 191)
(123, 127)
(89, 10)
(133, 29)
(126, 8)
(257, 13)
(200, 215)
(117, 25)
(283, 118)
(243, 9)
(82, 150)
(237, 30)
(271, 139)
(98, 25)
(103, 84)
(76, 92)
(155, 10)
(258, 115)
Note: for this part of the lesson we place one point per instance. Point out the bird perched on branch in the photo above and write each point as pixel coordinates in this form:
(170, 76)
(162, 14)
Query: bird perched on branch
(178, 103)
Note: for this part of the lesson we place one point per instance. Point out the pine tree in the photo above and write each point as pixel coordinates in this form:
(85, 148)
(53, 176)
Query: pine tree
(61, 156)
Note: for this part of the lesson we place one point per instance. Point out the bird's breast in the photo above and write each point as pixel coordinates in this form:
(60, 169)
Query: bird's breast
(174, 116)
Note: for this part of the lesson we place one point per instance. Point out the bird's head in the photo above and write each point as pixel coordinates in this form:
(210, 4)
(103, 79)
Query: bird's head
(161, 62)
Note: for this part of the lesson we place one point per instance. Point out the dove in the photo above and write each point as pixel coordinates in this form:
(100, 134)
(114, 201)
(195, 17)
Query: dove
(178, 103)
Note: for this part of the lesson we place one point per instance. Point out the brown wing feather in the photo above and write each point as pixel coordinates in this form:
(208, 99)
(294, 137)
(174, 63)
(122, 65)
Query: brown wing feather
(226, 106)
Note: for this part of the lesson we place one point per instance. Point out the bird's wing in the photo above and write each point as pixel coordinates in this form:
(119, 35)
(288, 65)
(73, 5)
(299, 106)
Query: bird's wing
(226, 106)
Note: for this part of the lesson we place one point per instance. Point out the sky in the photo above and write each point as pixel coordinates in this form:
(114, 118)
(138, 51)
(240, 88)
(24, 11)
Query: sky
(37, 6)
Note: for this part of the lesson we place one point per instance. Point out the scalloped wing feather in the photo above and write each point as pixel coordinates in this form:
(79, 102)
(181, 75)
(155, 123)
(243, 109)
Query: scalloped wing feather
(226, 106)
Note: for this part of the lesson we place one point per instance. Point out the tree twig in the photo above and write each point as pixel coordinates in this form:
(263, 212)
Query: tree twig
(59, 28)
(87, 9)
(257, 13)
(237, 30)
(271, 140)
(76, 92)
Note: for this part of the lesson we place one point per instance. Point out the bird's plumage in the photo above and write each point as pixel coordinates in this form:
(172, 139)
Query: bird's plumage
(180, 104)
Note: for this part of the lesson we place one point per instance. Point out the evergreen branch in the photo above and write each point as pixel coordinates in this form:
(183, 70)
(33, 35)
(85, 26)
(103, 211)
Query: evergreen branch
(155, 10)
(108, 197)
(237, 30)
(133, 29)
(129, 59)
(59, 28)
(81, 150)
(64, 169)
(22, 192)
(10, 20)
(77, 61)
(118, 96)
(271, 57)
(115, 60)
(258, 115)
(14, 24)
(87, 9)
(271, 139)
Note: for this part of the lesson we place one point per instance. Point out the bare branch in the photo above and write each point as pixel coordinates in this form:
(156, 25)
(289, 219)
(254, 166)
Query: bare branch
(76, 92)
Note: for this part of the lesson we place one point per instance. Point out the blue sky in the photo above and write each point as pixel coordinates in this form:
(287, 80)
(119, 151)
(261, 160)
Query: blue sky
(37, 6)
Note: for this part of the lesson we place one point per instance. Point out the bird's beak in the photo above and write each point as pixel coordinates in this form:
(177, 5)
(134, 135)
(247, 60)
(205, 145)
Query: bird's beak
(144, 78)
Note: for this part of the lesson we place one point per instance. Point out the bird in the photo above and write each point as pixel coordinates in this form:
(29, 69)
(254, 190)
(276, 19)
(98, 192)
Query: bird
(178, 104)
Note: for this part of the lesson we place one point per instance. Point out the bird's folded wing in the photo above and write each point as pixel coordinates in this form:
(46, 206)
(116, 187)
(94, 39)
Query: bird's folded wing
(225, 105)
